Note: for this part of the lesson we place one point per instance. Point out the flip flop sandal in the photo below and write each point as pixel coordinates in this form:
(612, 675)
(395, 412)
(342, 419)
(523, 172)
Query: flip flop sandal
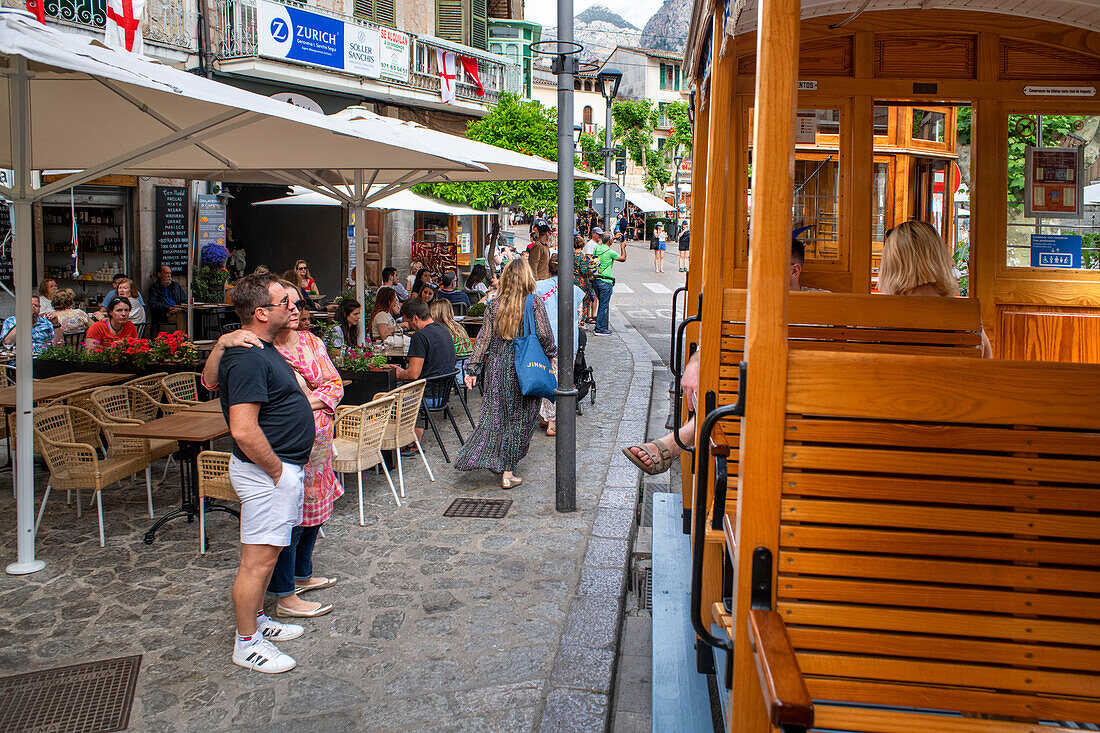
(659, 463)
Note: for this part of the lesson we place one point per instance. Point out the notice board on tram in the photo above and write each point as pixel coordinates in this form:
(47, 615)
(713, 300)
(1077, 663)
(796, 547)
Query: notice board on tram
(170, 227)
(7, 274)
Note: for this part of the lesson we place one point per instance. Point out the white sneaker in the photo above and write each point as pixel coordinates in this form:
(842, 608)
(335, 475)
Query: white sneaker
(277, 631)
(263, 656)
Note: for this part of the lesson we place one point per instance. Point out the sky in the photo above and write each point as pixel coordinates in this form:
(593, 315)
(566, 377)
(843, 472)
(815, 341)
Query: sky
(637, 12)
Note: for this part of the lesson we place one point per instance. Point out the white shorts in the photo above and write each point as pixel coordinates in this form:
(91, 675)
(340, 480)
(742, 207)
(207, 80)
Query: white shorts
(269, 511)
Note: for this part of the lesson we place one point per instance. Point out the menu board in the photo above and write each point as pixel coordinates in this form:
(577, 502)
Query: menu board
(170, 232)
(7, 274)
(211, 229)
(1055, 185)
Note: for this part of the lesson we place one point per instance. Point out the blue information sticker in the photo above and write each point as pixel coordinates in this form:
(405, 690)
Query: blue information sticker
(1062, 251)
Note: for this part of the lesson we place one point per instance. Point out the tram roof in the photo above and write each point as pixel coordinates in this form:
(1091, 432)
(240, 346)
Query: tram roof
(1079, 13)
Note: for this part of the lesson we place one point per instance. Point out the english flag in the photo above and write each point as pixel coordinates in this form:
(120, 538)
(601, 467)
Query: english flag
(469, 65)
(448, 74)
(123, 30)
(38, 8)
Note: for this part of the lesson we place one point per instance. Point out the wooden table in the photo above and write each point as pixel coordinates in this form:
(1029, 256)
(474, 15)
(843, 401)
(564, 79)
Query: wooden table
(206, 407)
(193, 428)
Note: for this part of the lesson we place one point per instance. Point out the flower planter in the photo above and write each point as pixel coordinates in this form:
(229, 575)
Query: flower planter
(365, 385)
(44, 368)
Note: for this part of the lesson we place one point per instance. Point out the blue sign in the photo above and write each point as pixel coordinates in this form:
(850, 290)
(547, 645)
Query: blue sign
(293, 34)
(1056, 250)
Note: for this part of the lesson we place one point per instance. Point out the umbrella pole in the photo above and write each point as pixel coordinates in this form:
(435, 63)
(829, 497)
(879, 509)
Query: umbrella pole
(360, 212)
(19, 106)
(565, 445)
(191, 236)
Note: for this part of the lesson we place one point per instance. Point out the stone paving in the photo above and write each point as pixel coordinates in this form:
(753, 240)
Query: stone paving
(440, 624)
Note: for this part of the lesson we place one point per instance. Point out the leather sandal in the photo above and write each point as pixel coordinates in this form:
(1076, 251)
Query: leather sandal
(659, 463)
(506, 483)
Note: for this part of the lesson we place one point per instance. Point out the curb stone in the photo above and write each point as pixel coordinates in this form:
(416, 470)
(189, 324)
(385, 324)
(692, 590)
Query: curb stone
(579, 695)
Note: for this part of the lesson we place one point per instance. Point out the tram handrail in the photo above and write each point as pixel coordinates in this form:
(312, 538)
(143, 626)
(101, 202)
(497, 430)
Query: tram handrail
(678, 371)
(699, 516)
(675, 369)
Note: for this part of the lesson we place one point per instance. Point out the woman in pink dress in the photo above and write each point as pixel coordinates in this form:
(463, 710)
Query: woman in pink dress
(321, 382)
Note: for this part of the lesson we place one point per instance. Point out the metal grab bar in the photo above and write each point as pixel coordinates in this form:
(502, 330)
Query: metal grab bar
(678, 372)
(699, 516)
(671, 357)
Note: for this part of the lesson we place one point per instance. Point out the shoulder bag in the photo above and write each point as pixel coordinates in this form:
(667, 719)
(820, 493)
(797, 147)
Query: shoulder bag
(536, 378)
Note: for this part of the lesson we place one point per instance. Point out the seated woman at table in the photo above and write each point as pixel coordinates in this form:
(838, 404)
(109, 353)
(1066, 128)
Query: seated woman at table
(306, 304)
(444, 314)
(476, 280)
(416, 272)
(67, 317)
(347, 323)
(425, 292)
(423, 275)
(304, 280)
(382, 321)
(126, 290)
(318, 378)
(117, 327)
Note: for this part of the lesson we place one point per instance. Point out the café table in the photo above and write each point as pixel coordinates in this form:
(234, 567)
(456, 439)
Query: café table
(194, 429)
(211, 318)
(58, 386)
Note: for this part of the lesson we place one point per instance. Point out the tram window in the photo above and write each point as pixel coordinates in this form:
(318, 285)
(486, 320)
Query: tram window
(817, 205)
(928, 125)
(879, 215)
(1048, 241)
(828, 122)
(882, 121)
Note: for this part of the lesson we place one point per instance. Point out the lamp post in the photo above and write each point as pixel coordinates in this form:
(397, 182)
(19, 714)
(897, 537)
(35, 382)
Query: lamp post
(609, 80)
(677, 160)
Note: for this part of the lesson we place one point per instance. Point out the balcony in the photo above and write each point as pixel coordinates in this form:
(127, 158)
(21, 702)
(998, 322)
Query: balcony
(169, 23)
(237, 40)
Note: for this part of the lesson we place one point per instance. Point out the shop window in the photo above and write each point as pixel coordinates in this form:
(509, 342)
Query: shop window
(1063, 231)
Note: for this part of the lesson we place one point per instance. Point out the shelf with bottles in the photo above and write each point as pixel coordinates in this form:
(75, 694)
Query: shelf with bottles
(85, 216)
(88, 244)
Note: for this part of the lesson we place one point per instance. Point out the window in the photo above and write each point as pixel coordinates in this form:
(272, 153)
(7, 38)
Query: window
(496, 48)
(677, 77)
(928, 125)
(670, 77)
(503, 31)
(663, 67)
(479, 23)
(586, 115)
(461, 21)
(376, 11)
(881, 121)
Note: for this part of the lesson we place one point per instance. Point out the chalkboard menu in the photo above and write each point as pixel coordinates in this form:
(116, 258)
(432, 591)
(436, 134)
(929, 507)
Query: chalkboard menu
(7, 274)
(171, 228)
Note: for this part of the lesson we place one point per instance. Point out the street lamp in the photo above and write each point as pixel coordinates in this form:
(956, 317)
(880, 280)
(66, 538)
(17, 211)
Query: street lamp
(609, 80)
(677, 161)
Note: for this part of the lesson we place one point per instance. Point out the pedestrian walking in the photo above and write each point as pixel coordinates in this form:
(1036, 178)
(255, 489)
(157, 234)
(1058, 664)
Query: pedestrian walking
(547, 291)
(658, 243)
(507, 418)
(271, 422)
(605, 282)
(684, 245)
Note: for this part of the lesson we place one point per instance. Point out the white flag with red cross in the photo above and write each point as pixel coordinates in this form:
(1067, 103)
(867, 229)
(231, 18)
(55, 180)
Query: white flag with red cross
(124, 25)
(448, 75)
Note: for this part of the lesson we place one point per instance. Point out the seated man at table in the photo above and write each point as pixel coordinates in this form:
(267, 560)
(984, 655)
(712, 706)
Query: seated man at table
(167, 300)
(389, 280)
(431, 351)
(271, 421)
(41, 332)
(447, 290)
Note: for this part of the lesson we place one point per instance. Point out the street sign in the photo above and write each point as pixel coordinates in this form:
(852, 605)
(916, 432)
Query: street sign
(617, 202)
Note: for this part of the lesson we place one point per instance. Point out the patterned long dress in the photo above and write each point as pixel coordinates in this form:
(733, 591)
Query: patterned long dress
(507, 418)
(311, 361)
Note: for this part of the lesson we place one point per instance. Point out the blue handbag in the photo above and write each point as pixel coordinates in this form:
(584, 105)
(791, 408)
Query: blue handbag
(536, 378)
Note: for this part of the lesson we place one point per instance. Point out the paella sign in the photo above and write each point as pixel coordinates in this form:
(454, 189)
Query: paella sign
(1055, 185)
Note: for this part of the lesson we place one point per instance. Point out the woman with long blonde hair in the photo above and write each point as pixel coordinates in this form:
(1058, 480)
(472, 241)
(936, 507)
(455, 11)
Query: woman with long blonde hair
(915, 261)
(444, 314)
(507, 418)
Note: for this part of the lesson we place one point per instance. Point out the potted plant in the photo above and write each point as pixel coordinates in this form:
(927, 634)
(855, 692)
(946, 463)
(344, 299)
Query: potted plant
(210, 278)
(167, 352)
(368, 371)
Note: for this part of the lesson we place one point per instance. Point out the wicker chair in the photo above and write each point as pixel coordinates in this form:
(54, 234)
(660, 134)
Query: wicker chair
(130, 405)
(181, 390)
(150, 383)
(213, 484)
(357, 442)
(77, 466)
(402, 427)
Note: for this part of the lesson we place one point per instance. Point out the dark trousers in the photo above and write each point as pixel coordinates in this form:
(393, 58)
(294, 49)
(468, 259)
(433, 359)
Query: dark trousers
(295, 561)
(604, 289)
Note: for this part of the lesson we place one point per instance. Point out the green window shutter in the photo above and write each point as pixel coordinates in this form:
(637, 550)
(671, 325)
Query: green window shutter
(662, 76)
(677, 87)
(377, 11)
(479, 15)
(449, 20)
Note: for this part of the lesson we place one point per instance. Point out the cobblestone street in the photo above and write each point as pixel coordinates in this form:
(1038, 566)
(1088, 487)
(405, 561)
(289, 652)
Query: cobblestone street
(439, 623)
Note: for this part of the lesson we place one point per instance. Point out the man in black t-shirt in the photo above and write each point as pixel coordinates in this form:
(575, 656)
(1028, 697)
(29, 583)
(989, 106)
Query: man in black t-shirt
(271, 422)
(431, 351)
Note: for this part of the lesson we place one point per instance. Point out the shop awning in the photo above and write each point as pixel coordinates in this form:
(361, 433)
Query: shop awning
(402, 201)
(1092, 195)
(645, 201)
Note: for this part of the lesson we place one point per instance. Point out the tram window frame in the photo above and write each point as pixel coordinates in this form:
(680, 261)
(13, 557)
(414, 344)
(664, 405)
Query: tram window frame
(906, 138)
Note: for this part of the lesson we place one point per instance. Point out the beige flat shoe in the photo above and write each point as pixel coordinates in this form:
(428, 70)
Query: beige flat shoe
(325, 583)
(511, 483)
(321, 610)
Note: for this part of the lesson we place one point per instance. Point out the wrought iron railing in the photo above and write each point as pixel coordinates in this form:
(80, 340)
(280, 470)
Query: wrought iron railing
(166, 22)
(237, 39)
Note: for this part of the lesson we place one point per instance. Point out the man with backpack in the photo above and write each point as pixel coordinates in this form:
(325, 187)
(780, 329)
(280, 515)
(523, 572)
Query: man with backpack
(605, 282)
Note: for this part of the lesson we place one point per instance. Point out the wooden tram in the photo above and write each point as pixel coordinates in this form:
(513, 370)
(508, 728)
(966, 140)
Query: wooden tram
(887, 535)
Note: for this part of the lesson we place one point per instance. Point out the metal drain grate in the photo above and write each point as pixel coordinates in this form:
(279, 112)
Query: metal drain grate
(94, 697)
(479, 508)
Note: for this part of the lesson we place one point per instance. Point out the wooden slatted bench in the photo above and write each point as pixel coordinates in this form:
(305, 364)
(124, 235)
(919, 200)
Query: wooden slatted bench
(938, 548)
(874, 324)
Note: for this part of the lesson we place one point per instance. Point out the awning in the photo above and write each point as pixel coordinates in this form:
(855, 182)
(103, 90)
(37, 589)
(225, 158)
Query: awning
(1092, 194)
(402, 201)
(645, 201)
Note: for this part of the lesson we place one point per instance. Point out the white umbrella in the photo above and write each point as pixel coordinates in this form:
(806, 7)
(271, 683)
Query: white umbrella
(402, 201)
(71, 104)
(645, 201)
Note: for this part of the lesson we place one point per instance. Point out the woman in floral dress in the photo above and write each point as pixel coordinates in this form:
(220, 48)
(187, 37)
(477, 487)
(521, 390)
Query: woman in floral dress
(321, 382)
(507, 417)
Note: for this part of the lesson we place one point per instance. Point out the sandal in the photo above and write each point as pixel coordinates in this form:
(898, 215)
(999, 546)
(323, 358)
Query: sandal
(658, 463)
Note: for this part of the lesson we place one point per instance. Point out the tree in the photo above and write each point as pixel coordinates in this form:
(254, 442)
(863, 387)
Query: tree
(635, 121)
(526, 127)
(677, 114)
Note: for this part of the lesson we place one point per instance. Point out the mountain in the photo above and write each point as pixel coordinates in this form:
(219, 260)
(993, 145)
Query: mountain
(668, 28)
(599, 30)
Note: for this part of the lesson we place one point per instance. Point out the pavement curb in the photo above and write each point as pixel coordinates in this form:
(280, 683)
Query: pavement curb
(579, 695)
